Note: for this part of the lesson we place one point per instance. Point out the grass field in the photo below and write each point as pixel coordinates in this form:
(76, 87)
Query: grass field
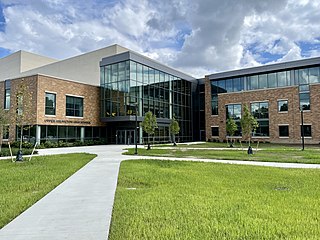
(23, 184)
(278, 154)
(188, 200)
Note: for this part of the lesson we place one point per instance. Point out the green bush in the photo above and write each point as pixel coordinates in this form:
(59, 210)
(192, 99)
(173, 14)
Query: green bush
(16, 144)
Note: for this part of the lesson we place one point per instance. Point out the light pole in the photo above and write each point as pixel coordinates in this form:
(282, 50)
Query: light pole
(136, 131)
(302, 129)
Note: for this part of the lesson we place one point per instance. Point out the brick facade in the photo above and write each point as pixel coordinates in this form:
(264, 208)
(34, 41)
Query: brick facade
(291, 118)
(62, 88)
(38, 85)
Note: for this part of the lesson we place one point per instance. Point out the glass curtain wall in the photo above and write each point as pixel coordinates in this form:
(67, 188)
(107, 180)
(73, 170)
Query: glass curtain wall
(302, 76)
(128, 86)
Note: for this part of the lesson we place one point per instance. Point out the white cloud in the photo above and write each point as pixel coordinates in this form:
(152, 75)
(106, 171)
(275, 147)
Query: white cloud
(199, 37)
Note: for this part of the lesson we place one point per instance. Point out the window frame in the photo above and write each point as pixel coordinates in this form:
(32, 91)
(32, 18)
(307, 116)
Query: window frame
(279, 107)
(55, 104)
(74, 109)
(212, 127)
(304, 135)
(283, 125)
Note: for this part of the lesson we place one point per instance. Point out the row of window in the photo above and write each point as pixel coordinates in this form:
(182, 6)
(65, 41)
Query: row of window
(283, 131)
(134, 71)
(258, 109)
(74, 105)
(267, 80)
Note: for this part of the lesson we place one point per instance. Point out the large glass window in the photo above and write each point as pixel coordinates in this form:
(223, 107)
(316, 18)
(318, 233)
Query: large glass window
(50, 108)
(260, 110)
(283, 106)
(74, 106)
(234, 111)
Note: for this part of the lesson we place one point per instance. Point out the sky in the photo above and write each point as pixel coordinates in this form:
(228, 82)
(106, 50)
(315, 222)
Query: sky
(198, 37)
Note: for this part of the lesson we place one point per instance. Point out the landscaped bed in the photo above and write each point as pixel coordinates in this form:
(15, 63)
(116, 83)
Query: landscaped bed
(188, 200)
(23, 184)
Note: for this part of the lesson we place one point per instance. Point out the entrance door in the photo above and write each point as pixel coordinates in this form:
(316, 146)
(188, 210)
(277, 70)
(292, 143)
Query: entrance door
(125, 137)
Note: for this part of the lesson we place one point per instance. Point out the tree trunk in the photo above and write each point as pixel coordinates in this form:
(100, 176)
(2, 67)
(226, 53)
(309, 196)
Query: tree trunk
(148, 142)
(1, 137)
(174, 140)
(21, 138)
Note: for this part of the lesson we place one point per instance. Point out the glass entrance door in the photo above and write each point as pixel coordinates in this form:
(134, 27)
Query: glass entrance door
(125, 137)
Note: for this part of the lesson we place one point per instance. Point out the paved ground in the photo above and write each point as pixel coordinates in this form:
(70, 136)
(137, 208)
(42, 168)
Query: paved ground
(81, 207)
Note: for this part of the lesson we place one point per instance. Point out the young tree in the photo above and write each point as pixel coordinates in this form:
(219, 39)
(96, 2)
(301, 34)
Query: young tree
(231, 128)
(149, 125)
(249, 124)
(22, 115)
(4, 121)
(174, 129)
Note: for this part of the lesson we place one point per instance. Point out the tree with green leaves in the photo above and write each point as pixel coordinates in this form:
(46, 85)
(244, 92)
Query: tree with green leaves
(22, 114)
(174, 129)
(149, 125)
(249, 124)
(4, 122)
(231, 128)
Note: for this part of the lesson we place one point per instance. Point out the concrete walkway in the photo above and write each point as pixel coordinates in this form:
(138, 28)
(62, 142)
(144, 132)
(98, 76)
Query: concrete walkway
(81, 207)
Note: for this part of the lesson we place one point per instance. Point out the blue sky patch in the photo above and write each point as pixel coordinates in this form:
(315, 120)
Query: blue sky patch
(4, 52)
(2, 20)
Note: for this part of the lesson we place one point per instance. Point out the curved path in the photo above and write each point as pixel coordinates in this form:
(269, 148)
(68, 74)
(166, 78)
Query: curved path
(81, 206)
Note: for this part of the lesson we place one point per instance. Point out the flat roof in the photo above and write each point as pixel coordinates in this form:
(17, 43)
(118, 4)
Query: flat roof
(267, 68)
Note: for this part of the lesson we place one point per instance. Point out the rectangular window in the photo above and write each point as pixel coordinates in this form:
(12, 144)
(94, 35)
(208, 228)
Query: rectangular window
(215, 131)
(284, 131)
(304, 101)
(234, 111)
(7, 93)
(260, 110)
(314, 75)
(306, 130)
(253, 82)
(50, 108)
(283, 106)
(74, 106)
(282, 79)
(263, 81)
(214, 105)
(272, 80)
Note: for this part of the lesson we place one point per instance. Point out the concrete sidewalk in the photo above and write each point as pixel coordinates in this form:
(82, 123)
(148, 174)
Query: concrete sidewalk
(81, 207)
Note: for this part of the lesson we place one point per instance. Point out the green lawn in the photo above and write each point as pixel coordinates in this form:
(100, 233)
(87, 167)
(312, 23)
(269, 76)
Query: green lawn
(190, 200)
(22, 184)
(285, 154)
